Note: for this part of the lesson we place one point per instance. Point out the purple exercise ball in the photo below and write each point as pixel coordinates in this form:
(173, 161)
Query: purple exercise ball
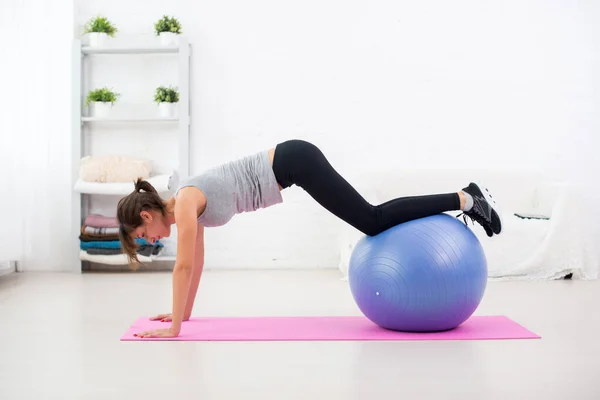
(425, 275)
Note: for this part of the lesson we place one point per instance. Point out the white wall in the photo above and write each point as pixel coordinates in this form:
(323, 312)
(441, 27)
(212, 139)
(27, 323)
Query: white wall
(398, 84)
(35, 129)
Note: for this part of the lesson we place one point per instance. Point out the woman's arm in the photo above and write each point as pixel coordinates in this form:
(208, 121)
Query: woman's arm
(195, 281)
(197, 272)
(187, 229)
(188, 266)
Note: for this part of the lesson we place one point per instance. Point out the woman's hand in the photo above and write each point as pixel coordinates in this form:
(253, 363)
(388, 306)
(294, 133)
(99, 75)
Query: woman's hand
(157, 333)
(166, 317)
(162, 317)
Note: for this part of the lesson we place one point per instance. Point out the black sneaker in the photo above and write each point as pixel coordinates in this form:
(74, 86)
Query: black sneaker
(484, 210)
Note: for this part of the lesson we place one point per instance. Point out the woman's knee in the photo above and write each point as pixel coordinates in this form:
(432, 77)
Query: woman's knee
(372, 225)
(372, 229)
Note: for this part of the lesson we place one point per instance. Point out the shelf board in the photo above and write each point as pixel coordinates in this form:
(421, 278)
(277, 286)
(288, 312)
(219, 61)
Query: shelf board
(164, 258)
(160, 182)
(158, 119)
(131, 50)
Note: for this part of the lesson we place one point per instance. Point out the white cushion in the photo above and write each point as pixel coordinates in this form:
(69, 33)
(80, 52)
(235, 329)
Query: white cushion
(113, 168)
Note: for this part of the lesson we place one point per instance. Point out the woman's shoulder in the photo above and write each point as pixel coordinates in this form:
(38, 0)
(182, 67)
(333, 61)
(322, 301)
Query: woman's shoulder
(190, 196)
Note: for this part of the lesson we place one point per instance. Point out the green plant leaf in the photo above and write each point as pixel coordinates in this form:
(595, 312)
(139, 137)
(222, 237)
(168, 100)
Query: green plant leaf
(167, 24)
(166, 95)
(103, 94)
(100, 24)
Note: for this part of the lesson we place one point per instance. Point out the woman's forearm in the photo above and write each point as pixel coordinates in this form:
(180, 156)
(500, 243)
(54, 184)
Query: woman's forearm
(181, 286)
(194, 283)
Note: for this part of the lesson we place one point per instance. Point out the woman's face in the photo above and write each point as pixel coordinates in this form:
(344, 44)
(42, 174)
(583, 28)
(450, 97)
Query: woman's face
(154, 227)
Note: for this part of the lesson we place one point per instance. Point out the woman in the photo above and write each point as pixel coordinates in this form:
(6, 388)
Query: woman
(214, 197)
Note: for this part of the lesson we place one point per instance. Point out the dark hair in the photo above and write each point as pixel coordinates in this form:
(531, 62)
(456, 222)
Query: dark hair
(143, 198)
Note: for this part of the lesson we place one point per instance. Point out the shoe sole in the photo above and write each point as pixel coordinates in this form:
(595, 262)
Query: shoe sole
(488, 197)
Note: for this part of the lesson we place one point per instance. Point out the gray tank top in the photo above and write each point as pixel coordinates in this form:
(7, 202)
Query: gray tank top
(239, 186)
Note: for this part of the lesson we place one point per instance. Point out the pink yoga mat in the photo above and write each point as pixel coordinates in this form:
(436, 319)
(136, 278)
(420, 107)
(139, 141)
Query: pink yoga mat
(324, 328)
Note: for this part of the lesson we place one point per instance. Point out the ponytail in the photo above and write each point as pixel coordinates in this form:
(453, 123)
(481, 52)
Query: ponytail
(146, 186)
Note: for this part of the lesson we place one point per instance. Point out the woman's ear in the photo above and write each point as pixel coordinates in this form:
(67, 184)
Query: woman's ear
(146, 216)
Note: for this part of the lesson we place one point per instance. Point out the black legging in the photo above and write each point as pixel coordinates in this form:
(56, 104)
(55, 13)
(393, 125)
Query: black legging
(303, 164)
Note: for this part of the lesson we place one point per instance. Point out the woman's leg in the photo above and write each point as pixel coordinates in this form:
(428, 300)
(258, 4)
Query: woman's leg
(303, 164)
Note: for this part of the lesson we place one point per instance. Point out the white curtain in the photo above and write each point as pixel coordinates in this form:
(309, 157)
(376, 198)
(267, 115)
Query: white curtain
(35, 152)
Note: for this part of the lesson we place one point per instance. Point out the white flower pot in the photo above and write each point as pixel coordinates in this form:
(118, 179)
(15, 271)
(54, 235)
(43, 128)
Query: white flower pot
(97, 39)
(101, 109)
(169, 38)
(168, 110)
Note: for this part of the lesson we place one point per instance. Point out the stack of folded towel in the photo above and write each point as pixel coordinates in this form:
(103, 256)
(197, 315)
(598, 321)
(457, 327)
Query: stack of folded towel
(99, 242)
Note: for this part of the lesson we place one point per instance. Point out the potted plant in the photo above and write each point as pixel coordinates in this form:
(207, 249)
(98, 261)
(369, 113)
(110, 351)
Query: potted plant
(98, 30)
(167, 99)
(102, 101)
(168, 29)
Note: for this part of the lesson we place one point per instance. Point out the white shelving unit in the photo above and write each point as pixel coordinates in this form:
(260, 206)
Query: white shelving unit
(80, 122)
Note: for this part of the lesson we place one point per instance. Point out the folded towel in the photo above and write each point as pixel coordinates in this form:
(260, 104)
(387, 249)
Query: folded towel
(144, 250)
(98, 238)
(113, 244)
(148, 250)
(116, 259)
(100, 245)
(106, 252)
(90, 230)
(100, 221)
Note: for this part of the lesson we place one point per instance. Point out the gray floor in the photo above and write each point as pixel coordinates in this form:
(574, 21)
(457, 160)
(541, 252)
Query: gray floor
(60, 340)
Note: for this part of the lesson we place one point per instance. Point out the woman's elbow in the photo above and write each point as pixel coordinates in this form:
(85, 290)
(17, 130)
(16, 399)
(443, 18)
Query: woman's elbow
(182, 267)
